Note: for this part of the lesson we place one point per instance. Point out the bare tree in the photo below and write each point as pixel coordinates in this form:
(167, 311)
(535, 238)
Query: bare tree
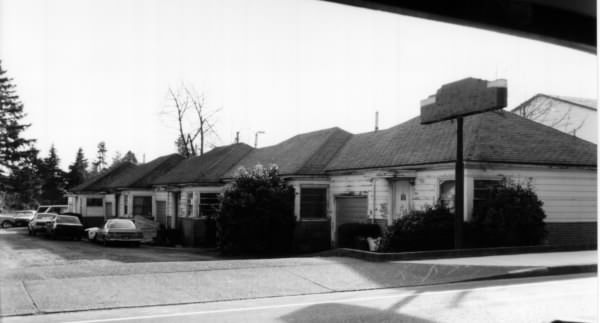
(557, 117)
(194, 121)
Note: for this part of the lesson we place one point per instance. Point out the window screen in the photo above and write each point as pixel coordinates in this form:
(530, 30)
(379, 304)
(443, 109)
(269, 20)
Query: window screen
(313, 202)
(93, 201)
(483, 191)
(142, 205)
(209, 204)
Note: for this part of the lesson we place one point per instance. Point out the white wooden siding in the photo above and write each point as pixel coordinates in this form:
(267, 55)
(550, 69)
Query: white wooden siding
(569, 195)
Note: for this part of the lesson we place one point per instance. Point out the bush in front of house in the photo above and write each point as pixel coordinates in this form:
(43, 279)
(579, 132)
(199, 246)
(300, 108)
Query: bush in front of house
(257, 213)
(512, 216)
(350, 234)
(429, 229)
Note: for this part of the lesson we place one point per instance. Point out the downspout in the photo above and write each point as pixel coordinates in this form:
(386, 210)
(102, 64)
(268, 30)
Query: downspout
(374, 198)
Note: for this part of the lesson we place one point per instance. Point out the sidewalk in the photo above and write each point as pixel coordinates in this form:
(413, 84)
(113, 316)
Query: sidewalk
(145, 284)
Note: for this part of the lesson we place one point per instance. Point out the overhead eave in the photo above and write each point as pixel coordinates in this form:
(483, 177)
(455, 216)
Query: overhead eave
(566, 23)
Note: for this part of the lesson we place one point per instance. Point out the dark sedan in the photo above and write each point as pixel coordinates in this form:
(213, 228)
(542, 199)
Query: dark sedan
(116, 230)
(66, 226)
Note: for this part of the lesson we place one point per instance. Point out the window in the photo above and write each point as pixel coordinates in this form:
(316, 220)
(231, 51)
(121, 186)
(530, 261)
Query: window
(313, 203)
(209, 204)
(447, 191)
(142, 205)
(189, 204)
(120, 224)
(94, 201)
(482, 191)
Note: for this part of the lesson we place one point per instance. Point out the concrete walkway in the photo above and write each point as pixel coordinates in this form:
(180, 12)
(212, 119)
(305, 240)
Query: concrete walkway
(148, 284)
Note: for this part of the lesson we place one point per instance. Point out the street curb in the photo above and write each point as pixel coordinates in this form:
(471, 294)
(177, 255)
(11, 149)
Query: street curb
(542, 271)
(437, 254)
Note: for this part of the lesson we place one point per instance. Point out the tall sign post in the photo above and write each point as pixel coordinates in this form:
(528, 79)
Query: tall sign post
(454, 101)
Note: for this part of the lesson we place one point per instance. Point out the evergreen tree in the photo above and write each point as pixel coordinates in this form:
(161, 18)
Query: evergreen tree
(117, 159)
(15, 151)
(53, 178)
(78, 170)
(100, 164)
(130, 157)
(18, 156)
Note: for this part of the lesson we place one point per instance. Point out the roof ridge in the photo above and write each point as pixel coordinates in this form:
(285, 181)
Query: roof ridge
(166, 159)
(101, 176)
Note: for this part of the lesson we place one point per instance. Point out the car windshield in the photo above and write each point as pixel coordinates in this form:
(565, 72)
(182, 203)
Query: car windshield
(41, 209)
(45, 216)
(67, 219)
(121, 224)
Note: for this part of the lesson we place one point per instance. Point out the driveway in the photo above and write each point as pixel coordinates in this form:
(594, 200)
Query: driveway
(19, 251)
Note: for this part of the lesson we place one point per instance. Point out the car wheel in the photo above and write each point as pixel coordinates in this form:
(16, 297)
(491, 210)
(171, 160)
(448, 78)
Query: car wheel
(6, 224)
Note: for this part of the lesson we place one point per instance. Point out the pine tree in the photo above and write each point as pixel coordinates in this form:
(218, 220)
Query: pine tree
(53, 178)
(117, 159)
(130, 157)
(15, 151)
(78, 170)
(18, 157)
(100, 164)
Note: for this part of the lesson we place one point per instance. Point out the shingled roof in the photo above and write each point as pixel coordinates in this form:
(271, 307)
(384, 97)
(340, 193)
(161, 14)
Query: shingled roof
(304, 154)
(143, 175)
(205, 169)
(499, 136)
(99, 183)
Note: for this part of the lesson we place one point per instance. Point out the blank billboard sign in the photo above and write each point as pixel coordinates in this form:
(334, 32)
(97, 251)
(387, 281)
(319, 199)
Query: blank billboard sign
(463, 98)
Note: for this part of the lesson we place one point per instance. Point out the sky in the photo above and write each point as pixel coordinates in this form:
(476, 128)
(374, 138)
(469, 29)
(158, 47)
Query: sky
(100, 70)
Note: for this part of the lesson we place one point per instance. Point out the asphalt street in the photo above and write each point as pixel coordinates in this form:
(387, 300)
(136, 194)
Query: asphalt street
(570, 298)
(42, 277)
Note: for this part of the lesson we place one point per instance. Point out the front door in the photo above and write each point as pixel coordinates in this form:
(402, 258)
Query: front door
(401, 200)
(176, 200)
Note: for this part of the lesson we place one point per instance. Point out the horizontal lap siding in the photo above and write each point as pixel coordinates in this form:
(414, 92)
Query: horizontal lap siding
(568, 194)
(426, 190)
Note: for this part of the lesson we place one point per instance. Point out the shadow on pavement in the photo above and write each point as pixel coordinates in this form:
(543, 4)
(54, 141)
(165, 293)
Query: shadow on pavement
(333, 312)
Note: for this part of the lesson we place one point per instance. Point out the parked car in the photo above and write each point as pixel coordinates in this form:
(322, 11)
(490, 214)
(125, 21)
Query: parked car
(65, 226)
(56, 208)
(40, 223)
(116, 230)
(22, 218)
(7, 220)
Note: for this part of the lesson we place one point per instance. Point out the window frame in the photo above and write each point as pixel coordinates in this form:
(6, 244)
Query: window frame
(146, 206)
(88, 199)
(213, 207)
(325, 203)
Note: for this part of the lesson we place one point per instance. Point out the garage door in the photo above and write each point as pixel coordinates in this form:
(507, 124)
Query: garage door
(350, 209)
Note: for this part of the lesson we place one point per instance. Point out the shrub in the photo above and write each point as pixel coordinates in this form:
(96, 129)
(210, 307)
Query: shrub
(257, 213)
(512, 216)
(349, 232)
(429, 229)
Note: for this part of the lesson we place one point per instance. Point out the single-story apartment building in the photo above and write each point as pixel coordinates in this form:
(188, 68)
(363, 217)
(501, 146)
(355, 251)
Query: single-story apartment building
(380, 176)
(87, 198)
(122, 191)
(302, 161)
(188, 193)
